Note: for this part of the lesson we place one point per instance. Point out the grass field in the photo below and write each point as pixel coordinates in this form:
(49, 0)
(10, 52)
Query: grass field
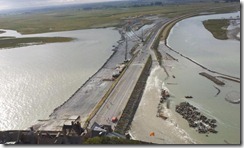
(73, 19)
(217, 28)
(20, 42)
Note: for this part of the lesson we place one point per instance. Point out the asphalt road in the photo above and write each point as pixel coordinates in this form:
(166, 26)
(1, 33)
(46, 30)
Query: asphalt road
(117, 100)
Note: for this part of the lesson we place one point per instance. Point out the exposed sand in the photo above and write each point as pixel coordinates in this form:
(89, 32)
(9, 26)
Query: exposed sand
(146, 120)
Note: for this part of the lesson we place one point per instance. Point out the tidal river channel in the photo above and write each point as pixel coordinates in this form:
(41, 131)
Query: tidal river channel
(190, 38)
(34, 80)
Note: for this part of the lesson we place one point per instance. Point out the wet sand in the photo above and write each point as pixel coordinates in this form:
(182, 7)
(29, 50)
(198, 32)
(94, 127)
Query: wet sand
(146, 120)
(169, 131)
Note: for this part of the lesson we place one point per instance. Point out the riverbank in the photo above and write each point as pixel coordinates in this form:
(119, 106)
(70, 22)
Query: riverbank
(85, 100)
(182, 81)
(89, 94)
(146, 119)
(47, 75)
(216, 55)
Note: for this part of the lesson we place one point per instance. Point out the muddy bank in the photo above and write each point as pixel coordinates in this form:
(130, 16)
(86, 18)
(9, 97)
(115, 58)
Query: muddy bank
(146, 120)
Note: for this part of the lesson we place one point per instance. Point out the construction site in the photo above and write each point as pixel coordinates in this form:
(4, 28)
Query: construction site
(105, 105)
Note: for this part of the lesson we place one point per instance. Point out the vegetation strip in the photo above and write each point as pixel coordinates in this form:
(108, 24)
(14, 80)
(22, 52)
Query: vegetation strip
(134, 100)
(6, 37)
(164, 34)
(20, 42)
(83, 19)
(155, 49)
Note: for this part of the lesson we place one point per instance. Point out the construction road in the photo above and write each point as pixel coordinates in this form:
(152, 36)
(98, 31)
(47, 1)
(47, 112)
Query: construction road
(118, 98)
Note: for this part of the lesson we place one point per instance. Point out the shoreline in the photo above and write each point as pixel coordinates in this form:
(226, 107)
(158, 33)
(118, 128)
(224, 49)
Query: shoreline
(142, 116)
(152, 114)
(231, 33)
(149, 120)
(92, 76)
(80, 79)
(221, 94)
(85, 99)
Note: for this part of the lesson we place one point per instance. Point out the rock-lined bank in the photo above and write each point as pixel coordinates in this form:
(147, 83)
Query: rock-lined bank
(196, 119)
(132, 105)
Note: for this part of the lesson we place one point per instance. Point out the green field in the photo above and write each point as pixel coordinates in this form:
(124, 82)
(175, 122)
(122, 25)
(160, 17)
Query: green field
(20, 42)
(73, 19)
(217, 27)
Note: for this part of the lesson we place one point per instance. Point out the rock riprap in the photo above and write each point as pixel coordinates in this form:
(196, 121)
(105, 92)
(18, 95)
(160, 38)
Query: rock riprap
(196, 119)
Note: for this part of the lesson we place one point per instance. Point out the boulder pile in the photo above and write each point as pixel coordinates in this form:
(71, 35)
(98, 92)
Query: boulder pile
(195, 119)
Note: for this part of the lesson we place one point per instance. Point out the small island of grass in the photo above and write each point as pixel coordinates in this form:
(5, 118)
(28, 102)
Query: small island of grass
(218, 27)
(20, 42)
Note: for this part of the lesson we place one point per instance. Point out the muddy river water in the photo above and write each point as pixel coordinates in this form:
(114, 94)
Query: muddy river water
(34, 80)
(190, 38)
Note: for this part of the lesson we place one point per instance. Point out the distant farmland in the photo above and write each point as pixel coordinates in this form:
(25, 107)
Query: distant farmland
(74, 19)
